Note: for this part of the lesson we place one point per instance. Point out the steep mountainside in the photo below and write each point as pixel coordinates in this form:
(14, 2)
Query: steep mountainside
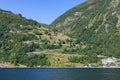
(96, 24)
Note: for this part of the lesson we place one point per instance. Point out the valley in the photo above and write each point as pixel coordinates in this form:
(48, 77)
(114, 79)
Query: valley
(88, 35)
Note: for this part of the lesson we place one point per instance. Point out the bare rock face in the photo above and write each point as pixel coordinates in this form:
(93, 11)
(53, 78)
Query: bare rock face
(78, 14)
(117, 12)
(118, 23)
(114, 3)
(68, 20)
(114, 13)
(106, 27)
(58, 25)
(91, 6)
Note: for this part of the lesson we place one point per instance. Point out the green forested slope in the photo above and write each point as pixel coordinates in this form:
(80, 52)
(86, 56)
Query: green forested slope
(95, 24)
(22, 41)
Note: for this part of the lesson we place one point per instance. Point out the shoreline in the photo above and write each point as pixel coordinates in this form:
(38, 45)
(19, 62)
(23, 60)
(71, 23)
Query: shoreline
(9, 65)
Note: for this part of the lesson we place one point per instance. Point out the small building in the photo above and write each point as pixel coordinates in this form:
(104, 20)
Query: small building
(108, 61)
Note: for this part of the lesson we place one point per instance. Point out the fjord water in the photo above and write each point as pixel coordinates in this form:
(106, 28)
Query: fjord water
(60, 74)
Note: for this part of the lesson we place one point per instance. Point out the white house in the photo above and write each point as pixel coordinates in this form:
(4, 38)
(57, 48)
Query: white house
(108, 61)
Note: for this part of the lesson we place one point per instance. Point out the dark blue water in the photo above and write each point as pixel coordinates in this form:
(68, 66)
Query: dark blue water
(59, 74)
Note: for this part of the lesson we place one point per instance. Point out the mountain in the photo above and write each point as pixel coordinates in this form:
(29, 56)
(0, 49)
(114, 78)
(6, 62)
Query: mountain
(85, 35)
(27, 42)
(96, 26)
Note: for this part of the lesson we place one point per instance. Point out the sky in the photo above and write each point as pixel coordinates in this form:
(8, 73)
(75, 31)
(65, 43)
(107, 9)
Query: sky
(43, 11)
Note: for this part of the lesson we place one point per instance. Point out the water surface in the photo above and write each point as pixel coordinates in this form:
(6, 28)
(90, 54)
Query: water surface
(59, 74)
